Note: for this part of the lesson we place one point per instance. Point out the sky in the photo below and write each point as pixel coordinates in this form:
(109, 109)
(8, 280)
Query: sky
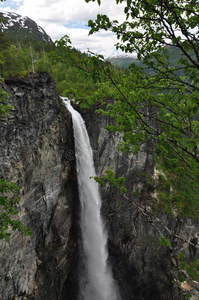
(70, 17)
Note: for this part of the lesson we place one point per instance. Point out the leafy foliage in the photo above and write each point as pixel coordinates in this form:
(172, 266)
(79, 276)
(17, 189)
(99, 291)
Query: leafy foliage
(9, 197)
(9, 191)
(192, 268)
(177, 193)
(111, 178)
(155, 100)
(164, 241)
(159, 100)
(21, 58)
(4, 107)
(147, 106)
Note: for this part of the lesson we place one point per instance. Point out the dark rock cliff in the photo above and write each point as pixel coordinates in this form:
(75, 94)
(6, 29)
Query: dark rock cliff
(143, 268)
(37, 152)
(36, 144)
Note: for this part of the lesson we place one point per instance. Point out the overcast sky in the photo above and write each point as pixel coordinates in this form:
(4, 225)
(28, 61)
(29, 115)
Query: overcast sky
(60, 17)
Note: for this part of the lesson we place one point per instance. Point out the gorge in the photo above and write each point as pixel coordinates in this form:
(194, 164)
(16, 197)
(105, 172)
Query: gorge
(37, 152)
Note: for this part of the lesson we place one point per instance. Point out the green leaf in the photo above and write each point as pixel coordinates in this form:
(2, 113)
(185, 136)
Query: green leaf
(164, 241)
(9, 195)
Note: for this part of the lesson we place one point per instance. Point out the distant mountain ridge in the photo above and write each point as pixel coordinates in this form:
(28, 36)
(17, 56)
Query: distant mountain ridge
(122, 61)
(15, 26)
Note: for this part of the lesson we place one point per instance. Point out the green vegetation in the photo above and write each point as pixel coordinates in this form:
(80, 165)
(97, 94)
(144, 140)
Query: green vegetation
(9, 197)
(5, 108)
(111, 178)
(126, 61)
(158, 100)
(122, 62)
(192, 268)
(164, 241)
(18, 58)
(9, 191)
(177, 193)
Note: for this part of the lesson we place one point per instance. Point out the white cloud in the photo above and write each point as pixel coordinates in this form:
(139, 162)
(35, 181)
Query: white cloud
(17, 1)
(7, 8)
(102, 43)
(56, 17)
(69, 10)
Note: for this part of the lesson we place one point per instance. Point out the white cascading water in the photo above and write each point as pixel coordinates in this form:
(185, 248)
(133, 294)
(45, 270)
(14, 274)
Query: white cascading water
(99, 283)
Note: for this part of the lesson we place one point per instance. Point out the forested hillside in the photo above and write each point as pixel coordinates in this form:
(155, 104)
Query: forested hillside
(18, 58)
(124, 61)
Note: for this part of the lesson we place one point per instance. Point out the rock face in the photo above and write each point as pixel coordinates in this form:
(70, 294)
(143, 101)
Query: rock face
(37, 152)
(143, 268)
(36, 145)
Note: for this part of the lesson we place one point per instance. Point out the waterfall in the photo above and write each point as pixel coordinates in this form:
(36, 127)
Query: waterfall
(98, 280)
